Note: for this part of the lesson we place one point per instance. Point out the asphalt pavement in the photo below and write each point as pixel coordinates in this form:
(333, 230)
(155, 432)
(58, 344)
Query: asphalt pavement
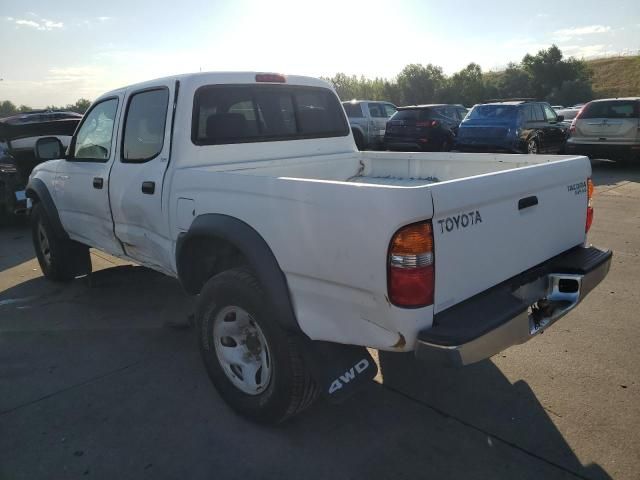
(94, 385)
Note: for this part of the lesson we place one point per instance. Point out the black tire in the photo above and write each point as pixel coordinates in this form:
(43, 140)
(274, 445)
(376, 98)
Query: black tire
(359, 139)
(60, 259)
(533, 146)
(291, 389)
(447, 145)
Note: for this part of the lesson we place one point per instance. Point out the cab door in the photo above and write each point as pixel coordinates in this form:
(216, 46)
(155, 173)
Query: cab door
(81, 183)
(141, 220)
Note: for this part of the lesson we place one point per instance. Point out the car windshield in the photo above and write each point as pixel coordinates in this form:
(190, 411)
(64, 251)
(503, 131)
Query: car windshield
(492, 112)
(611, 109)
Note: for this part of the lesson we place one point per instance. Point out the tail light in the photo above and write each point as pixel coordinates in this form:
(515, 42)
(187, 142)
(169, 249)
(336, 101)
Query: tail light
(572, 127)
(411, 266)
(270, 78)
(589, 205)
(428, 124)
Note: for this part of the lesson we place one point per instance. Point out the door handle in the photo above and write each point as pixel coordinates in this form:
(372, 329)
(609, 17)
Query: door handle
(527, 202)
(148, 187)
(98, 182)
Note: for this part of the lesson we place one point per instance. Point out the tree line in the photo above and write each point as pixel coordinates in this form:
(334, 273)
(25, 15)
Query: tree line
(7, 108)
(547, 75)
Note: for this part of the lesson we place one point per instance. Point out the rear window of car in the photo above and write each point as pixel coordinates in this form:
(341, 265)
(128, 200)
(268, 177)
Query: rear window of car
(224, 114)
(353, 109)
(492, 112)
(412, 114)
(611, 109)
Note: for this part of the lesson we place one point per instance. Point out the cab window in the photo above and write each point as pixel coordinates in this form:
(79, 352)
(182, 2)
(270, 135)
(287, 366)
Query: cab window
(145, 125)
(93, 142)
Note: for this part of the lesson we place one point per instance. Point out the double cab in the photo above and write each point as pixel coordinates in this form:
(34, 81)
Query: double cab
(301, 250)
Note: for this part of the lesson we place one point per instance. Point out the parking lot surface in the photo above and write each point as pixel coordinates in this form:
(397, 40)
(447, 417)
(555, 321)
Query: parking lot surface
(94, 385)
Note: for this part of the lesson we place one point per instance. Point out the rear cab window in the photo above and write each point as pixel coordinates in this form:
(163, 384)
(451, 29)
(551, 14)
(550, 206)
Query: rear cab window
(224, 114)
(611, 109)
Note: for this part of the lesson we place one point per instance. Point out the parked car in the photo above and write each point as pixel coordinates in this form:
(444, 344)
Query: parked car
(520, 126)
(368, 119)
(303, 250)
(18, 135)
(608, 128)
(424, 127)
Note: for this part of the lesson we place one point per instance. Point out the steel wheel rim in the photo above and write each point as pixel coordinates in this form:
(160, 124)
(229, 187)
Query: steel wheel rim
(43, 242)
(242, 350)
(533, 146)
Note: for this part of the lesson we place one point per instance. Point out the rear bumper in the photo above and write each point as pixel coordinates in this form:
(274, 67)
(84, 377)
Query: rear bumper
(609, 151)
(514, 311)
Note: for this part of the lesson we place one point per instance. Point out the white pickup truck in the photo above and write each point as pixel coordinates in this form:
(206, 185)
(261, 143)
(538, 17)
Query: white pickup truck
(249, 189)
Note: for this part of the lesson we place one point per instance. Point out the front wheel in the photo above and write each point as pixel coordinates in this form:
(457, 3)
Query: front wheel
(532, 146)
(60, 259)
(254, 364)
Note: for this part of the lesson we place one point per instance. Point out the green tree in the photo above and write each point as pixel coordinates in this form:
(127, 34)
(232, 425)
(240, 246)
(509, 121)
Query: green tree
(515, 82)
(466, 86)
(7, 108)
(571, 92)
(420, 83)
(81, 105)
(548, 71)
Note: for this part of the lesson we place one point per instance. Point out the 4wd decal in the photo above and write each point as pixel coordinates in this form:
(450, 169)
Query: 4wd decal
(462, 220)
(349, 375)
(578, 188)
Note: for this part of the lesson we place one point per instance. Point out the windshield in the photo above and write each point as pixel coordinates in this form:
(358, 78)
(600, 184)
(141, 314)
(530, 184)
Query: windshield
(492, 112)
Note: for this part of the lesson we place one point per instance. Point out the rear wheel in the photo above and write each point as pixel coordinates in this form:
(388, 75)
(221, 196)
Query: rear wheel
(254, 364)
(532, 146)
(60, 259)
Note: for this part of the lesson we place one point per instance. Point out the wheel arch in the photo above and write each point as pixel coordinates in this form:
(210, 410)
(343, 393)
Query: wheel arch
(217, 242)
(38, 192)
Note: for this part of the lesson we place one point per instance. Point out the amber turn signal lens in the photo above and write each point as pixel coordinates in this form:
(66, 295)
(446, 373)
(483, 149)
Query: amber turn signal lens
(413, 240)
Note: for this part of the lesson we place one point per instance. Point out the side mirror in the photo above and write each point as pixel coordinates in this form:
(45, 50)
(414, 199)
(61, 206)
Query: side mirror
(49, 148)
(560, 118)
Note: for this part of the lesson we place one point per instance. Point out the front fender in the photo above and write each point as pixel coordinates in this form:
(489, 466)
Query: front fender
(38, 191)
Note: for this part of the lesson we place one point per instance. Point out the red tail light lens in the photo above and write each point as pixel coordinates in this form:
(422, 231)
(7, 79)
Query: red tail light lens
(411, 266)
(270, 78)
(428, 124)
(589, 205)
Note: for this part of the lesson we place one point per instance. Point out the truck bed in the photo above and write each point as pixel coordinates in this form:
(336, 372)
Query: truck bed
(397, 169)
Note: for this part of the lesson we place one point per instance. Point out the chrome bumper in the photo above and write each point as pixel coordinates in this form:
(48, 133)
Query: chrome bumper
(514, 311)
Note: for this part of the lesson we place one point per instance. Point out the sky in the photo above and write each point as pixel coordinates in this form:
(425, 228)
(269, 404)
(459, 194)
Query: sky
(54, 52)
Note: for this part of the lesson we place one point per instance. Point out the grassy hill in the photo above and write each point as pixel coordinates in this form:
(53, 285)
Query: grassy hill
(615, 76)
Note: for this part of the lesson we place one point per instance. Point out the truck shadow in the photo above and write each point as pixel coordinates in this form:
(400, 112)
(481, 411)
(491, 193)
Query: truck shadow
(482, 398)
(419, 424)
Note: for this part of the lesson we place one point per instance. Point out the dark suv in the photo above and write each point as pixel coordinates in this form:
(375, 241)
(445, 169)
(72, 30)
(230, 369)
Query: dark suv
(520, 126)
(424, 127)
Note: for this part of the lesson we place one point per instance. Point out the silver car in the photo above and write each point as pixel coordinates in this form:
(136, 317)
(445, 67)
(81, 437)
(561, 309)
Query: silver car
(368, 120)
(608, 128)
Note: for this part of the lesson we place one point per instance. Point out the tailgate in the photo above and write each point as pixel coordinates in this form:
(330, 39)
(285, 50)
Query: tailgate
(491, 227)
